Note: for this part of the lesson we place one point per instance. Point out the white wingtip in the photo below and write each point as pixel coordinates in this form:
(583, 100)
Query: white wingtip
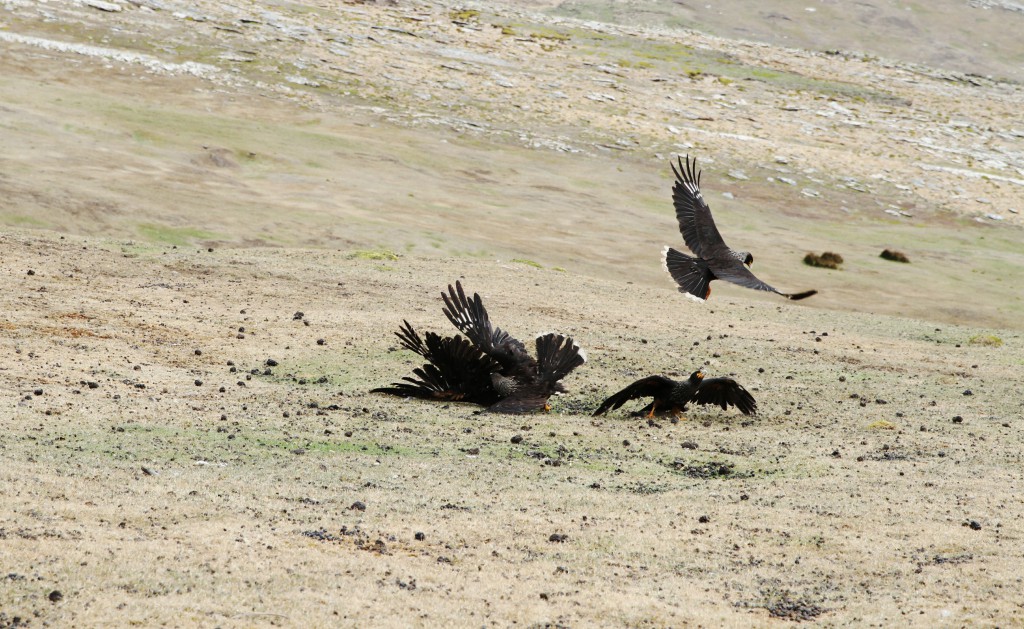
(583, 354)
(692, 296)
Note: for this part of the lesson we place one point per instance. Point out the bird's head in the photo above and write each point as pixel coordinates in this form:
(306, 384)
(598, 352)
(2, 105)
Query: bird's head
(747, 258)
(697, 376)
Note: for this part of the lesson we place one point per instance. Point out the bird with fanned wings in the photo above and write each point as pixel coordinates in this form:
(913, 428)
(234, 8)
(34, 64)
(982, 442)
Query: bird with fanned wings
(672, 396)
(489, 366)
(712, 259)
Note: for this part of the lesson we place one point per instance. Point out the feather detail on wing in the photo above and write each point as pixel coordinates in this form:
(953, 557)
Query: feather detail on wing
(692, 212)
(456, 369)
(651, 386)
(725, 392)
(470, 317)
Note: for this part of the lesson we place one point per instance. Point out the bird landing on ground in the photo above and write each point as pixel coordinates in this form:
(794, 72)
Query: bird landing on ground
(672, 396)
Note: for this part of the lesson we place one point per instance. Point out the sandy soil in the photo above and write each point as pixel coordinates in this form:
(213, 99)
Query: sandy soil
(183, 448)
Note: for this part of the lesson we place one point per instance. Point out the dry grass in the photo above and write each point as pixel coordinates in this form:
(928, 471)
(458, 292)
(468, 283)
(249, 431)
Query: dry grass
(182, 503)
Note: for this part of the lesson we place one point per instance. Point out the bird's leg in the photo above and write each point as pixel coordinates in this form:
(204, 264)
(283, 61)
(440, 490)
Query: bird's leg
(677, 414)
(654, 407)
(547, 407)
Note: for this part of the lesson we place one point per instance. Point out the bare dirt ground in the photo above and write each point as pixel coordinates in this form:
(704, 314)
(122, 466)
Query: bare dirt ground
(178, 181)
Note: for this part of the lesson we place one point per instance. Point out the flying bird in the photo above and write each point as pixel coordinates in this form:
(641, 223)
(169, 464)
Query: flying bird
(489, 367)
(713, 259)
(672, 396)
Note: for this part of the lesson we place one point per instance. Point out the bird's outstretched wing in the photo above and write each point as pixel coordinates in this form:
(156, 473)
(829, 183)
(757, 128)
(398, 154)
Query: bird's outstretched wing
(456, 370)
(732, 270)
(470, 317)
(692, 212)
(725, 392)
(651, 386)
(557, 356)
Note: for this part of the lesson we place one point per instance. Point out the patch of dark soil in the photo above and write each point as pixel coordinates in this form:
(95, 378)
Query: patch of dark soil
(707, 469)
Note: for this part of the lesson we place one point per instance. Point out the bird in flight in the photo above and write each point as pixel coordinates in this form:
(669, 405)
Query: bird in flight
(712, 259)
(672, 396)
(489, 367)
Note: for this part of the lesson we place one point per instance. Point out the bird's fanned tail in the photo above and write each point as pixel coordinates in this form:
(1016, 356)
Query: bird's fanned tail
(557, 356)
(692, 275)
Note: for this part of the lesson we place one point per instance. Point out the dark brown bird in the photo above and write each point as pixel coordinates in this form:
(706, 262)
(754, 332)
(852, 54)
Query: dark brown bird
(491, 368)
(671, 396)
(714, 259)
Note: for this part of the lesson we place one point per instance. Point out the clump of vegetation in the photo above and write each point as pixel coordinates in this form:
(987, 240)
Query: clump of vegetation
(895, 256)
(527, 262)
(986, 340)
(827, 260)
(464, 15)
(882, 425)
(550, 34)
(374, 254)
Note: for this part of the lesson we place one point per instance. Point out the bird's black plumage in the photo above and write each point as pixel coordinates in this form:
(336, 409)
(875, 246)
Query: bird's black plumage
(672, 396)
(712, 259)
(489, 367)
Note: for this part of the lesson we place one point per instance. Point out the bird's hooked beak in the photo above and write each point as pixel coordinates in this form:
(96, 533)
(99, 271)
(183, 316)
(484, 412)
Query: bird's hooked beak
(699, 374)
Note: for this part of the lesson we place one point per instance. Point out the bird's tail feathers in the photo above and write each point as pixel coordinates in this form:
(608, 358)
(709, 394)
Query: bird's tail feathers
(557, 356)
(692, 275)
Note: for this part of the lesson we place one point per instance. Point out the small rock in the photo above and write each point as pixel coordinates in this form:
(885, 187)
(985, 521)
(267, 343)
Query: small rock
(358, 505)
(271, 362)
(420, 536)
(966, 392)
(517, 439)
(56, 596)
(958, 419)
(559, 538)
(703, 519)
